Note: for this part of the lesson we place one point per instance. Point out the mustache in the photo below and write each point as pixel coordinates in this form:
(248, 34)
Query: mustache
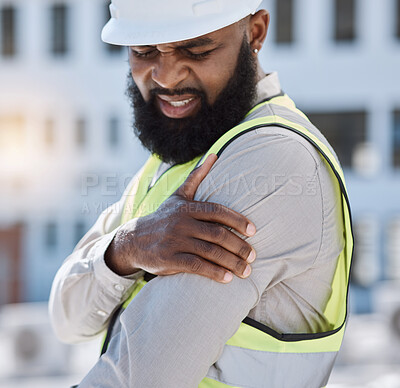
(176, 92)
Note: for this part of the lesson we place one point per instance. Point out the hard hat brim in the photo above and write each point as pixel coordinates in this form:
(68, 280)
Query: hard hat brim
(124, 32)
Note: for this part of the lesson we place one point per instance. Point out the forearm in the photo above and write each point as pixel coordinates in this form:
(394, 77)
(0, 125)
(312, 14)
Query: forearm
(119, 255)
(85, 292)
(172, 332)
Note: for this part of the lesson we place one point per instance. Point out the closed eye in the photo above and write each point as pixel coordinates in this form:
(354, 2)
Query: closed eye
(196, 56)
(145, 54)
(153, 52)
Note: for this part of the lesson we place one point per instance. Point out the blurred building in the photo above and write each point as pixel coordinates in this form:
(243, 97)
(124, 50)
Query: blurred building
(67, 151)
(66, 147)
(340, 61)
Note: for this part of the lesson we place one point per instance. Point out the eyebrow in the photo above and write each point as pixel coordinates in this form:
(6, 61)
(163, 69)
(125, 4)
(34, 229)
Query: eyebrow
(199, 42)
(196, 43)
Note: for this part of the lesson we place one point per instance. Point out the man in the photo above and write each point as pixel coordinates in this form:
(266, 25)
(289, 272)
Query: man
(276, 191)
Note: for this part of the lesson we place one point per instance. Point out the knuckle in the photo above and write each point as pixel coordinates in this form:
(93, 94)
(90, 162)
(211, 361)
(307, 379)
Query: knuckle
(240, 266)
(205, 228)
(205, 247)
(178, 262)
(196, 265)
(244, 251)
(217, 254)
(181, 262)
(217, 233)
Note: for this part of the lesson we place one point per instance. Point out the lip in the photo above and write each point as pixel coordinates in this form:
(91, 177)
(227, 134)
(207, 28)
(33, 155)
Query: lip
(178, 107)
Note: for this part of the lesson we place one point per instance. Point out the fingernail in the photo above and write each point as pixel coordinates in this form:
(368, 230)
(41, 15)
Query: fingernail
(228, 277)
(247, 271)
(251, 257)
(251, 230)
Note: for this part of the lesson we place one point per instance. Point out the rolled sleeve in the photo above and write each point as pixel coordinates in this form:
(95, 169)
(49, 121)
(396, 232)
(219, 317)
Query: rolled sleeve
(85, 292)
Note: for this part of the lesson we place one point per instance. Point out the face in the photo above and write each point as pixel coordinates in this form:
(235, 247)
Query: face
(205, 63)
(185, 95)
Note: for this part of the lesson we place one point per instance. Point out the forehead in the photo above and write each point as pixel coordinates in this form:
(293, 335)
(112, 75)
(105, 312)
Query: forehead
(227, 35)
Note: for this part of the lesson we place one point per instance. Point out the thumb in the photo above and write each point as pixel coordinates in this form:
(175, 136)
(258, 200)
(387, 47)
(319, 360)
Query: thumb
(192, 182)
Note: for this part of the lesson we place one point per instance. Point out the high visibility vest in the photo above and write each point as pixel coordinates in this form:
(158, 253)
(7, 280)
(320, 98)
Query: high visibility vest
(257, 356)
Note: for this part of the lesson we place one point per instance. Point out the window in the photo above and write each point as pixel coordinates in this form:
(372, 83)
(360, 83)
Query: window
(5, 274)
(113, 134)
(284, 21)
(59, 22)
(50, 238)
(111, 48)
(398, 19)
(345, 20)
(344, 131)
(81, 132)
(80, 230)
(49, 133)
(11, 239)
(8, 16)
(392, 244)
(396, 138)
(366, 266)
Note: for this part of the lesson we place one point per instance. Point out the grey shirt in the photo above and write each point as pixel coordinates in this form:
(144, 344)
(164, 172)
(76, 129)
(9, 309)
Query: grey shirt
(176, 328)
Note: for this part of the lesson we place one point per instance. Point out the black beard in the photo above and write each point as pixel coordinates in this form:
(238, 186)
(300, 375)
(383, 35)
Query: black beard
(178, 141)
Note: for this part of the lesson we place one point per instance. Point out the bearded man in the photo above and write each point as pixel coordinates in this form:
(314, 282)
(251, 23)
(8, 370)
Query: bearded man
(236, 172)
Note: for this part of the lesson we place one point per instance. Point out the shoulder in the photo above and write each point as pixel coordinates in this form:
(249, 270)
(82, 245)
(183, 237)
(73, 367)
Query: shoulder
(273, 143)
(256, 162)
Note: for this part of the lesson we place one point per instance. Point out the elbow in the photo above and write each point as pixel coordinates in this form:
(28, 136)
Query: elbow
(68, 330)
(65, 329)
(70, 325)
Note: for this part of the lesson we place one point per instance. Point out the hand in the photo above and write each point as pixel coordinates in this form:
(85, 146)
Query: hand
(184, 235)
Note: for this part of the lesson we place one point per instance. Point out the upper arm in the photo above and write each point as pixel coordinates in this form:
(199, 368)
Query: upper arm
(273, 180)
(281, 183)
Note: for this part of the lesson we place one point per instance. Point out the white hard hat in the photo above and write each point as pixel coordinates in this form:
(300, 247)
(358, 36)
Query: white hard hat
(147, 22)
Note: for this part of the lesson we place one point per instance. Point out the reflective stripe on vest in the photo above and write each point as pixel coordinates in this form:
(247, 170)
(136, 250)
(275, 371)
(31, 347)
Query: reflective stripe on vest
(257, 356)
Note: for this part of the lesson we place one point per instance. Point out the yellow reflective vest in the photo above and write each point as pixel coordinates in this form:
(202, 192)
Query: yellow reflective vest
(257, 356)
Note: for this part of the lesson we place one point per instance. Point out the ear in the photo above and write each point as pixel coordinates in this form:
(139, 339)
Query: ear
(258, 28)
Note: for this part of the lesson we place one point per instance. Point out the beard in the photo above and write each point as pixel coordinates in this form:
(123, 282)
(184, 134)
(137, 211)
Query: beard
(178, 141)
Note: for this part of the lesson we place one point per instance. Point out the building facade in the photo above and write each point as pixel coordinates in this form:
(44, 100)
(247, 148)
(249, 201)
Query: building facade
(66, 147)
(339, 60)
(67, 150)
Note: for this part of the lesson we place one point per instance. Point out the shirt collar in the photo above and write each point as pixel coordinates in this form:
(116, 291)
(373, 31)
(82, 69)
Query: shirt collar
(268, 87)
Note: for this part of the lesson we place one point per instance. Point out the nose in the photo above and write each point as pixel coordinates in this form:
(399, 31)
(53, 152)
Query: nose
(168, 72)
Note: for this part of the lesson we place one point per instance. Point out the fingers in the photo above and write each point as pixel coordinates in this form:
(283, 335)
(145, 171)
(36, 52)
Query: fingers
(214, 212)
(192, 182)
(220, 236)
(193, 264)
(220, 256)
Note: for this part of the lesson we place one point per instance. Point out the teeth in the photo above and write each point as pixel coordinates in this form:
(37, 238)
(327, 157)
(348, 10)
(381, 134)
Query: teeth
(178, 104)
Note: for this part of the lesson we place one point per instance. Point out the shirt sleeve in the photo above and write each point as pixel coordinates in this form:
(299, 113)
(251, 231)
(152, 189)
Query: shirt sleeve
(85, 292)
(176, 327)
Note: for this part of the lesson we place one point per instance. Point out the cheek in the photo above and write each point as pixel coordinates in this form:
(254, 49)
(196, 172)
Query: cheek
(215, 81)
(138, 74)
